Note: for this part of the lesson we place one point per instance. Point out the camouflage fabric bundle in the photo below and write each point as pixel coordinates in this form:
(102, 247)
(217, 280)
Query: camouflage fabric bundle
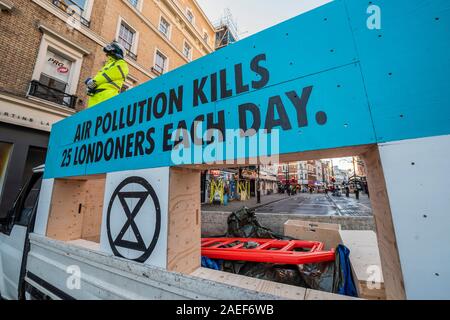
(243, 224)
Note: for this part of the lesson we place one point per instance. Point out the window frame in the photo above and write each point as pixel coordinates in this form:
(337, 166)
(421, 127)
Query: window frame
(130, 83)
(185, 42)
(72, 6)
(205, 33)
(166, 67)
(13, 217)
(137, 3)
(138, 6)
(50, 43)
(35, 180)
(189, 10)
(134, 45)
(88, 10)
(169, 31)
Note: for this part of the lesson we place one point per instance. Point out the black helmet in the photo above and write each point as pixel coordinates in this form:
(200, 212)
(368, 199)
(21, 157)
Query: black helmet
(115, 49)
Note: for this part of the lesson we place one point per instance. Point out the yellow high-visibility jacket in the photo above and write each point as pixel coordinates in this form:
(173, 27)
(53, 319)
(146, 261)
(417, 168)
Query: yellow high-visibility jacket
(109, 80)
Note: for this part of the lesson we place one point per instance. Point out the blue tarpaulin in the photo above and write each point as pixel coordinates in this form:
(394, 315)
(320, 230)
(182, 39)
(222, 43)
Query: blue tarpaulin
(211, 264)
(346, 285)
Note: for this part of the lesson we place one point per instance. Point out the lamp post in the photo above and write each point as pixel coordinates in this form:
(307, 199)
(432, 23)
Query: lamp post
(288, 178)
(258, 186)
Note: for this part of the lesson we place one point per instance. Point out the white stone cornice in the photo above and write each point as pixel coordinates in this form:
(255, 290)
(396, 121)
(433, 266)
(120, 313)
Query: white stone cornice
(61, 38)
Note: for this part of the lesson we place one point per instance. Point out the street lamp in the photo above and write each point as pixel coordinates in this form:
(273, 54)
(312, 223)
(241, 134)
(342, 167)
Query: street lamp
(288, 178)
(258, 186)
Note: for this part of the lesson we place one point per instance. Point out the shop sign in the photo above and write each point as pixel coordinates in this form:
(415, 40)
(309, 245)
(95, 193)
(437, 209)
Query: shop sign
(26, 120)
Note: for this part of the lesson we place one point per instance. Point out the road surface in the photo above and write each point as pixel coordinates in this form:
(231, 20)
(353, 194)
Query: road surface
(320, 204)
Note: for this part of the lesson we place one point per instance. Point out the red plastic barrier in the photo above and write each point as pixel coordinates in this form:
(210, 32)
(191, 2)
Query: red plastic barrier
(267, 251)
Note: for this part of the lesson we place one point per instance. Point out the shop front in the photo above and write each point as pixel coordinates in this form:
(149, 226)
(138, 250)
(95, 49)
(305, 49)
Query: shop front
(248, 180)
(268, 184)
(24, 134)
(219, 186)
(223, 186)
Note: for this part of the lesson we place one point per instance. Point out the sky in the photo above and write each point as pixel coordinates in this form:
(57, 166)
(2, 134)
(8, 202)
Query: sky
(344, 163)
(253, 16)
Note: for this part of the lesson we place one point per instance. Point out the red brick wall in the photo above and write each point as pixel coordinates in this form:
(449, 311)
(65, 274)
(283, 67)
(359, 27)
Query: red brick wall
(20, 39)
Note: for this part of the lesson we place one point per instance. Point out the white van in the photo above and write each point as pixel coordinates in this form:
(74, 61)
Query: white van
(74, 271)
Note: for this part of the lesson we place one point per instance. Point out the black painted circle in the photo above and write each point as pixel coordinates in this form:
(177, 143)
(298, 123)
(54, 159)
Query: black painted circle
(321, 118)
(144, 183)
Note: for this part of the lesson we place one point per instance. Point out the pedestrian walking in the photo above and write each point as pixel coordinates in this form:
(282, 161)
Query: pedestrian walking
(357, 193)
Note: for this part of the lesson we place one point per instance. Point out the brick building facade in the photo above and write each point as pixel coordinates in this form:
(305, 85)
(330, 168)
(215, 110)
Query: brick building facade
(49, 48)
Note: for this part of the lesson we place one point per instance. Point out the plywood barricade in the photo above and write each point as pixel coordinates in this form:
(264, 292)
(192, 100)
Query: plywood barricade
(74, 210)
(325, 84)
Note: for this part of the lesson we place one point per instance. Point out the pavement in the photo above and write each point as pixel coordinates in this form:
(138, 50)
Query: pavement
(303, 204)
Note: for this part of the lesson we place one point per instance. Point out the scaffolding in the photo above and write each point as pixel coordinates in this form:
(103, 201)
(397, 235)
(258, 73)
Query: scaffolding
(226, 30)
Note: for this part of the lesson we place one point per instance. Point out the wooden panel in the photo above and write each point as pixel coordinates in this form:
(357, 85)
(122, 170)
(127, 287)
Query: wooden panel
(327, 233)
(76, 210)
(321, 295)
(184, 234)
(94, 246)
(387, 243)
(65, 220)
(364, 254)
(263, 286)
(93, 209)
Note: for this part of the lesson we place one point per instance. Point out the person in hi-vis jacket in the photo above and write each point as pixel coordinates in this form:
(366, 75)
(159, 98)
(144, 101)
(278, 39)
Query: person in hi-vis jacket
(109, 80)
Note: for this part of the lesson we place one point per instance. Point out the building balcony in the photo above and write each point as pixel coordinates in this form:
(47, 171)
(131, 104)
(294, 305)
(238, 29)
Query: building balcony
(72, 9)
(132, 55)
(157, 70)
(44, 92)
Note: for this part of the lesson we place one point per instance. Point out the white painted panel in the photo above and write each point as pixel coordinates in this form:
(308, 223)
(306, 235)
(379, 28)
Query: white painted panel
(43, 209)
(139, 192)
(417, 174)
(108, 278)
(11, 252)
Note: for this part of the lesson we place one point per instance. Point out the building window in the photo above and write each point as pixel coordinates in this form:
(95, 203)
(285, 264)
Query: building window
(187, 50)
(134, 3)
(205, 36)
(57, 71)
(127, 38)
(79, 3)
(164, 27)
(128, 84)
(79, 10)
(124, 88)
(160, 62)
(54, 80)
(190, 16)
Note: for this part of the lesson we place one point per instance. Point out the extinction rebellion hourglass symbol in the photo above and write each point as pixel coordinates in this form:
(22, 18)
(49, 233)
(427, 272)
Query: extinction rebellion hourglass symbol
(146, 203)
